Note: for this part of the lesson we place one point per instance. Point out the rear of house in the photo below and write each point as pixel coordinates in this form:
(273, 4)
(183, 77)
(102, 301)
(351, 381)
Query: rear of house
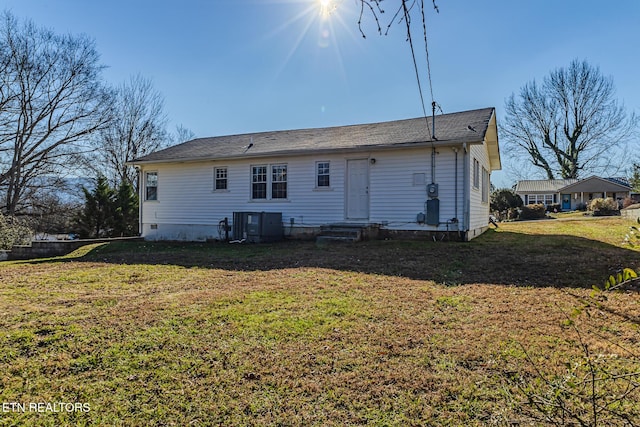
(394, 176)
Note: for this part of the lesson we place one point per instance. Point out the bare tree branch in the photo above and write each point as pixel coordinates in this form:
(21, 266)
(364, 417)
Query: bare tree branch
(51, 98)
(140, 128)
(571, 124)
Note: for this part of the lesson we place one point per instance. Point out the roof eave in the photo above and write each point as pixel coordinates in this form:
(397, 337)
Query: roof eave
(491, 138)
(293, 153)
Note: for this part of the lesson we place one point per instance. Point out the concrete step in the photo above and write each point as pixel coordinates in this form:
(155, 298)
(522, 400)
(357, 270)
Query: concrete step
(340, 233)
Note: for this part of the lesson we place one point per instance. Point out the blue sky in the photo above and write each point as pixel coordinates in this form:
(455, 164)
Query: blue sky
(236, 66)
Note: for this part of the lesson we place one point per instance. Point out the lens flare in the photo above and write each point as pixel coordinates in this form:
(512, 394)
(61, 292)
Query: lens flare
(326, 8)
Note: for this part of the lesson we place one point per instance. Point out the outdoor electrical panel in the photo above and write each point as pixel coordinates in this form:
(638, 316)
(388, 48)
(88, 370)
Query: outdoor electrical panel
(433, 212)
(432, 190)
(258, 227)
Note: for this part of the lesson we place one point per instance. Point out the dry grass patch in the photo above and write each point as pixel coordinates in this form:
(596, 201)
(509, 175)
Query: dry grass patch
(379, 333)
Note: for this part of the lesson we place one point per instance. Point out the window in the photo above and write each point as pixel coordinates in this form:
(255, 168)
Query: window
(322, 174)
(258, 182)
(151, 186)
(266, 185)
(476, 173)
(279, 181)
(545, 199)
(220, 180)
(485, 185)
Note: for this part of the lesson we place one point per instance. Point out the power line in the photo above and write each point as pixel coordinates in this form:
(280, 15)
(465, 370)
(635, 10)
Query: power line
(407, 21)
(426, 48)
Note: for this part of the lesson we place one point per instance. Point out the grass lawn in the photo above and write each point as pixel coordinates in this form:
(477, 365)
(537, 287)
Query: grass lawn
(498, 331)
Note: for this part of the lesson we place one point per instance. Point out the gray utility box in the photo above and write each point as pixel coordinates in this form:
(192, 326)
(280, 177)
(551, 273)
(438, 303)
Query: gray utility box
(433, 212)
(258, 227)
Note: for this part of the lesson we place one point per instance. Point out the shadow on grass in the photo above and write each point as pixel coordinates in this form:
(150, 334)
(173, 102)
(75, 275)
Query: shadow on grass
(504, 258)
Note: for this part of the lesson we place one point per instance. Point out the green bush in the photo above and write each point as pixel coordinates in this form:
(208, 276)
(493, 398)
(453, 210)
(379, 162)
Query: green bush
(536, 211)
(604, 207)
(554, 207)
(503, 201)
(14, 231)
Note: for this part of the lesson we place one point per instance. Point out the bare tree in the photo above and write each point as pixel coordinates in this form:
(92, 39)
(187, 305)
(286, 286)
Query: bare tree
(570, 124)
(183, 134)
(138, 129)
(51, 100)
(402, 10)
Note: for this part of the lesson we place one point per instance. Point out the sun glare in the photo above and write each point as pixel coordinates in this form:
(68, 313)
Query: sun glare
(323, 20)
(327, 7)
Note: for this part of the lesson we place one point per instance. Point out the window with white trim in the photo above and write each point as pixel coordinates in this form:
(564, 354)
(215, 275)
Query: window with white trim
(259, 182)
(220, 180)
(269, 182)
(545, 199)
(151, 186)
(322, 175)
(279, 181)
(485, 185)
(476, 173)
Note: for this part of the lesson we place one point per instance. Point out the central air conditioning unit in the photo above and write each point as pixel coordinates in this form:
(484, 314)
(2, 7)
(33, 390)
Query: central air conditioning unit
(258, 227)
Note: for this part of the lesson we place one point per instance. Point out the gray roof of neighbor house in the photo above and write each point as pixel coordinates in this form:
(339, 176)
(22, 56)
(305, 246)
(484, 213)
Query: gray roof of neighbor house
(596, 184)
(472, 127)
(593, 184)
(543, 185)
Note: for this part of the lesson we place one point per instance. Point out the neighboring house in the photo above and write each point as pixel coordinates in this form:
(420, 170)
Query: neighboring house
(569, 193)
(373, 174)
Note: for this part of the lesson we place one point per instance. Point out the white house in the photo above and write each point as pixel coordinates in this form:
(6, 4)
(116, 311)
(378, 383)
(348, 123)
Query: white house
(569, 193)
(394, 175)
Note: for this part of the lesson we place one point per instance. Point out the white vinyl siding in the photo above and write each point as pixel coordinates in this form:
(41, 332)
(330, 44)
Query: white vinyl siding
(478, 209)
(191, 211)
(395, 199)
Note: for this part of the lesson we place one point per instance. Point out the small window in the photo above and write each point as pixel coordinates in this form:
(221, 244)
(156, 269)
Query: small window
(279, 181)
(485, 185)
(220, 179)
(151, 186)
(322, 174)
(476, 173)
(259, 182)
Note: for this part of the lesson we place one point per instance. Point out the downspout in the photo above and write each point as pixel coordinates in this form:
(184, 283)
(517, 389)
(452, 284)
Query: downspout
(455, 190)
(465, 191)
(433, 165)
(140, 199)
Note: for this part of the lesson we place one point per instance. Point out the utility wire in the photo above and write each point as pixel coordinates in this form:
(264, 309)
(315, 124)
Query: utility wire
(426, 48)
(407, 21)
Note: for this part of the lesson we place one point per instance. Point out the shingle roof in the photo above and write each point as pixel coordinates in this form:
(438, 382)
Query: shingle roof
(592, 184)
(543, 185)
(467, 126)
(597, 184)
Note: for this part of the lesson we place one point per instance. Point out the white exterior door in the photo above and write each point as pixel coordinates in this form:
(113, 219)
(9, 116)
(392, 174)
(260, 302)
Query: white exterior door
(357, 186)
